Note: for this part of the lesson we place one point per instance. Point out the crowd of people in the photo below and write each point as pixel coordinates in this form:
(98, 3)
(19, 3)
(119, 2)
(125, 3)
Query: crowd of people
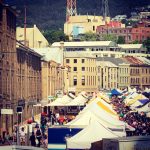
(39, 136)
(139, 121)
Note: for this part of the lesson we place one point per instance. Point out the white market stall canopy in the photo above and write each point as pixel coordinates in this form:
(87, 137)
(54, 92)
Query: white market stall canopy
(98, 111)
(61, 101)
(92, 133)
(78, 101)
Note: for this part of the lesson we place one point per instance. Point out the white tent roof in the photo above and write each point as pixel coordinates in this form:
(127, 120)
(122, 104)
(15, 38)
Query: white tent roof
(92, 133)
(78, 101)
(97, 100)
(98, 113)
(130, 97)
(147, 90)
(61, 101)
(134, 98)
(145, 108)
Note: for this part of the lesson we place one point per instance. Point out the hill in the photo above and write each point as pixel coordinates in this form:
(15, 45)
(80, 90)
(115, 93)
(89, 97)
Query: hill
(50, 14)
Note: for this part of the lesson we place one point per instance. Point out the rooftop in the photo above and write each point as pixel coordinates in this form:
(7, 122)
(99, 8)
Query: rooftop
(84, 44)
(108, 64)
(115, 61)
(130, 46)
(133, 60)
(78, 55)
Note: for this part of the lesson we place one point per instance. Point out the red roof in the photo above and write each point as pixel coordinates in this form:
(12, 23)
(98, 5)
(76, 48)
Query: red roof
(133, 60)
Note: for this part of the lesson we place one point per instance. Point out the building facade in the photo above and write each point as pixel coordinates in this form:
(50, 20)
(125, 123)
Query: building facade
(7, 62)
(139, 72)
(20, 73)
(103, 48)
(130, 34)
(88, 23)
(123, 75)
(52, 79)
(33, 37)
(28, 80)
(107, 75)
(83, 75)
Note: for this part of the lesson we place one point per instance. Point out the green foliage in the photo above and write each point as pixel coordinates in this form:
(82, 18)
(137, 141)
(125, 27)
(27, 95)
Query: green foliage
(131, 23)
(146, 43)
(121, 40)
(55, 36)
(110, 37)
(135, 42)
(89, 36)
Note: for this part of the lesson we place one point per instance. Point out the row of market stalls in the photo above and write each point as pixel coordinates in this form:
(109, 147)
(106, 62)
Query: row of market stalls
(70, 100)
(98, 119)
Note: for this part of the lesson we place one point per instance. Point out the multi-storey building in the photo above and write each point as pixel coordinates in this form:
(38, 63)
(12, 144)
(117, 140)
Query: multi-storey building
(140, 33)
(54, 79)
(123, 75)
(83, 24)
(83, 75)
(133, 49)
(102, 48)
(130, 34)
(31, 37)
(7, 61)
(132, 72)
(107, 75)
(20, 73)
(139, 72)
(117, 79)
(116, 31)
(28, 79)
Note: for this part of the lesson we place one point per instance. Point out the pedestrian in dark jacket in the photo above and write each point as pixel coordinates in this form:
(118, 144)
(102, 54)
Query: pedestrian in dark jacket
(38, 136)
(32, 139)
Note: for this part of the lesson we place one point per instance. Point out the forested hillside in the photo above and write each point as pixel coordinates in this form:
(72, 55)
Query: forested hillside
(50, 14)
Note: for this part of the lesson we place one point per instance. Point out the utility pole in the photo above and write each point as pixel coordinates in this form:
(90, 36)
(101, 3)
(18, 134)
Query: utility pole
(25, 24)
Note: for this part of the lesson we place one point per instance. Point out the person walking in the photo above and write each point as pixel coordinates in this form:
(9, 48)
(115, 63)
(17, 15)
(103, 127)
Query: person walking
(32, 139)
(38, 136)
(22, 136)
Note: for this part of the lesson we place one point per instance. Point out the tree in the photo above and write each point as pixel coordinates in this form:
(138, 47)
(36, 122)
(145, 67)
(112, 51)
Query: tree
(146, 43)
(121, 40)
(55, 36)
(109, 37)
(135, 42)
(89, 36)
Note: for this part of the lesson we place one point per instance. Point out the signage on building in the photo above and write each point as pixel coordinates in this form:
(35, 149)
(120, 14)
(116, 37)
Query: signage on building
(19, 109)
(50, 97)
(21, 102)
(7, 111)
(59, 93)
(32, 102)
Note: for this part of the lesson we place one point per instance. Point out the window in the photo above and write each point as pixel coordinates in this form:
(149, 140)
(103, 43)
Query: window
(93, 28)
(83, 60)
(83, 80)
(67, 61)
(75, 80)
(75, 60)
(74, 68)
(83, 68)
